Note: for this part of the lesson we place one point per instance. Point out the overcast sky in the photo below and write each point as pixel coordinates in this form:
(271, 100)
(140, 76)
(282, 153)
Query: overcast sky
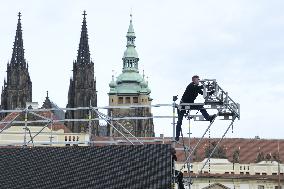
(240, 43)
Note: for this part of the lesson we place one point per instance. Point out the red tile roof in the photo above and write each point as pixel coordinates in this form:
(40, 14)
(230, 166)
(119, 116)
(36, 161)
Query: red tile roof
(249, 148)
(47, 114)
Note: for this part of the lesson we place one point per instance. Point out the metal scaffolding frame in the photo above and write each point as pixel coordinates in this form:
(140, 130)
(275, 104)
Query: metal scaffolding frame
(219, 100)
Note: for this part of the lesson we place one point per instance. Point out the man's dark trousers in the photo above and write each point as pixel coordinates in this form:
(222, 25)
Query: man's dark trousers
(182, 112)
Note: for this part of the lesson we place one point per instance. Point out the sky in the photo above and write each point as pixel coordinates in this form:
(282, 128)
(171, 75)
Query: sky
(239, 43)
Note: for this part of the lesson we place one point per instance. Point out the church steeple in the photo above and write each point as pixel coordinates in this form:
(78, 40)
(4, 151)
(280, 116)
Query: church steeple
(130, 56)
(83, 56)
(18, 88)
(82, 89)
(18, 49)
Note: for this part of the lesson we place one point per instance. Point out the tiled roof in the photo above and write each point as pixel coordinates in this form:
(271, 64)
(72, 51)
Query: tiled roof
(107, 167)
(249, 148)
(47, 114)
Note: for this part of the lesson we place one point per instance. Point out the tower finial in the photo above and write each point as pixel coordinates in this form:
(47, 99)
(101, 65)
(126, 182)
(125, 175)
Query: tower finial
(143, 74)
(19, 15)
(131, 14)
(84, 14)
(46, 94)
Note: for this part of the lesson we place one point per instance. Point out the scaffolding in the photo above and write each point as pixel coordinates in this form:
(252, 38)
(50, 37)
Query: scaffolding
(219, 100)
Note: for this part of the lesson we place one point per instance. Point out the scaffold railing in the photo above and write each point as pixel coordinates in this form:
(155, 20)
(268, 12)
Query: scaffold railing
(227, 109)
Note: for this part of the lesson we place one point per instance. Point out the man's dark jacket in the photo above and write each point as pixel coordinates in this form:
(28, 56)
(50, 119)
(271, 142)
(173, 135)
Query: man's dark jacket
(191, 92)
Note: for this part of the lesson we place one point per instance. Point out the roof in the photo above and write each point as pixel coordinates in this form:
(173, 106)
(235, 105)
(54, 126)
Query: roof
(19, 116)
(248, 148)
(108, 167)
(216, 186)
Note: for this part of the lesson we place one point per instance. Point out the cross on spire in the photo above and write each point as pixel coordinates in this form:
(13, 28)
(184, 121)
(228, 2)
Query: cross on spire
(84, 14)
(19, 15)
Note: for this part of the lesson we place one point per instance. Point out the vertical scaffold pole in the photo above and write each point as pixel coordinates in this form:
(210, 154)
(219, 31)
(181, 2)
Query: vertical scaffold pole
(90, 124)
(189, 162)
(51, 129)
(174, 119)
(26, 124)
(173, 139)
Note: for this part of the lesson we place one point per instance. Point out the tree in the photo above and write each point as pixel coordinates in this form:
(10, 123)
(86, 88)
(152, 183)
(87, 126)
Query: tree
(259, 157)
(236, 156)
(218, 153)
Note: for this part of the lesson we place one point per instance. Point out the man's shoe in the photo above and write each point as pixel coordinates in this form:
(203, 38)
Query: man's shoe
(211, 119)
(177, 138)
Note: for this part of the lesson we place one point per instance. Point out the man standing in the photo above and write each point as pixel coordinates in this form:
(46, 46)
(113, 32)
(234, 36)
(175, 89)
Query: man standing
(189, 95)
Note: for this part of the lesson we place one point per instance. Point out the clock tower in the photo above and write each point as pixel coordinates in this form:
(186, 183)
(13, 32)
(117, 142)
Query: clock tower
(130, 88)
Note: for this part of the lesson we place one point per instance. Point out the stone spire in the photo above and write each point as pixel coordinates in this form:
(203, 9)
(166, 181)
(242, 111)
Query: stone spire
(83, 51)
(18, 88)
(18, 49)
(82, 88)
(47, 103)
(130, 56)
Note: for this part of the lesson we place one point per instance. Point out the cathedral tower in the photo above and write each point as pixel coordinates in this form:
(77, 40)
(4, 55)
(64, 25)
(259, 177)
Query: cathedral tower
(17, 90)
(82, 88)
(130, 88)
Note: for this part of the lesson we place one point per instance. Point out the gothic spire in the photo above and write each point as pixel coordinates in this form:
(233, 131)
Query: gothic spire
(18, 49)
(83, 51)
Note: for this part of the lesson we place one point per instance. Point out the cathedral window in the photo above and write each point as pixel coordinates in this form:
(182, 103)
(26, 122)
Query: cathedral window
(120, 100)
(127, 100)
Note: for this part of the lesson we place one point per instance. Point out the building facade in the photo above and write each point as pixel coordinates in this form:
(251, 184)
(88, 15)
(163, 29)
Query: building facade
(130, 88)
(82, 88)
(17, 90)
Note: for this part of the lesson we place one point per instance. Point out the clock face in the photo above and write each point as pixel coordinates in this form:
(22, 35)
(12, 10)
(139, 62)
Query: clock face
(127, 125)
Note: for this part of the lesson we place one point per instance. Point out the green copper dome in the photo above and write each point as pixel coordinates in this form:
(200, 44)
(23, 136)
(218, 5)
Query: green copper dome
(130, 52)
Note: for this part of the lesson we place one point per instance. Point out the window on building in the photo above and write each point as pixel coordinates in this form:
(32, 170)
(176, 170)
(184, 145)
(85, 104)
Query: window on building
(127, 100)
(276, 187)
(135, 99)
(112, 100)
(248, 167)
(240, 167)
(120, 100)
(260, 187)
